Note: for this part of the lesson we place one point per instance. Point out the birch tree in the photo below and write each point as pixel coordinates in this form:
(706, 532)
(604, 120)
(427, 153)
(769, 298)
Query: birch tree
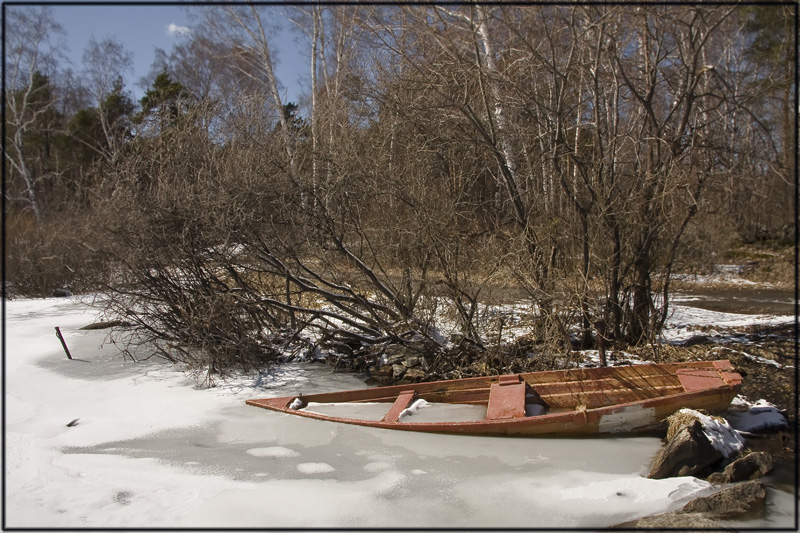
(33, 42)
(620, 107)
(332, 39)
(105, 64)
(245, 30)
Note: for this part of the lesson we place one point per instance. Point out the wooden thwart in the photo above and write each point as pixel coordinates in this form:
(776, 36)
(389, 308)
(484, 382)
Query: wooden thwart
(399, 405)
(698, 379)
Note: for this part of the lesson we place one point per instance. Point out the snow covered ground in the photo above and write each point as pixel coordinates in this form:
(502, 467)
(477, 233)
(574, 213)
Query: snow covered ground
(105, 443)
(686, 320)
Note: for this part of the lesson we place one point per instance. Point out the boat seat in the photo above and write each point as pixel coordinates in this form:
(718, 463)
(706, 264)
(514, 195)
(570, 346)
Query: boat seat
(402, 401)
(694, 379)
(506, 399)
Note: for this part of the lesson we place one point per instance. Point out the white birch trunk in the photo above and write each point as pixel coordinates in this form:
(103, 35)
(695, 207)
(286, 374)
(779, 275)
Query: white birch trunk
(501, 118)
(500, 114)
(314, 89)
(260, 46)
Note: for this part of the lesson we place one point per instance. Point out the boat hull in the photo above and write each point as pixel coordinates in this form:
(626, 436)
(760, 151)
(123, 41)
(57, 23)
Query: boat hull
(577, 402)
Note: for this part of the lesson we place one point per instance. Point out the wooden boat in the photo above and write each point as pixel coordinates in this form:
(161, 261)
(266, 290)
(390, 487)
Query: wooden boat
(562, 402)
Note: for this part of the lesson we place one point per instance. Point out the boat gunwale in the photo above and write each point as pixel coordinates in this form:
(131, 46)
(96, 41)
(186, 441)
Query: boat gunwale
(484, 382)
(549, 417)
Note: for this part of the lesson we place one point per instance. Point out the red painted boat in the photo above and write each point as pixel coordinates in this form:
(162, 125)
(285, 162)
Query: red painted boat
(581, 401)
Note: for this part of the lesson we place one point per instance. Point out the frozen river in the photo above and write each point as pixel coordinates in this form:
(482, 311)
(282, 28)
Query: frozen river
(150, 449)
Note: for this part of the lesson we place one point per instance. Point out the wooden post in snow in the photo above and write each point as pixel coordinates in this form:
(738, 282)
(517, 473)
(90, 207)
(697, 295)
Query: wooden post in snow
(63, 342)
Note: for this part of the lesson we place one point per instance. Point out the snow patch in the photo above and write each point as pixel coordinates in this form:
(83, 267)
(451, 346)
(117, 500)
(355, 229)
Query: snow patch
(722, 436)
(272, 452)
(635, 490)
(723, 275)
(315, 468)
(413, 408)
(609, 499)
(763, 360)
(296, 404)
(751, 417)
(377, 466)
(686, 322)
(591, 359)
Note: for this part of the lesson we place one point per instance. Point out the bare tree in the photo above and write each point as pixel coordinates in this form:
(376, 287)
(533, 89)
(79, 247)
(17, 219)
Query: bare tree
(568, 149)
(105, 64)
(620, 107)
(245, 30)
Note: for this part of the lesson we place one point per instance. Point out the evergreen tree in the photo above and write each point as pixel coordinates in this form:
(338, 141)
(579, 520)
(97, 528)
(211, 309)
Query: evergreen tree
(163, 102)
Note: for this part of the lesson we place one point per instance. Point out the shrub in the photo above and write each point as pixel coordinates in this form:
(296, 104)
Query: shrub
(43, 258)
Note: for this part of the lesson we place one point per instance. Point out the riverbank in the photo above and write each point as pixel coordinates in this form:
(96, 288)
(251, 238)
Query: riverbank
(767, 265)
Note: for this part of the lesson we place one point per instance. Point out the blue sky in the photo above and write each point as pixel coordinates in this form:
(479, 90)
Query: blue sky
(142, 28)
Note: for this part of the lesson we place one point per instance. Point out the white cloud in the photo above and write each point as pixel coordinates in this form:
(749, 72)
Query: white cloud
(174, 29)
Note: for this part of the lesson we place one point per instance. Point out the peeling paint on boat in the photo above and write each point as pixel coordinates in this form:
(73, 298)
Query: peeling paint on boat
(628, 419)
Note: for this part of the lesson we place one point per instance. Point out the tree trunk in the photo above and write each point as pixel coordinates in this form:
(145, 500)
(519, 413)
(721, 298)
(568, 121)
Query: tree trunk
(639, 325)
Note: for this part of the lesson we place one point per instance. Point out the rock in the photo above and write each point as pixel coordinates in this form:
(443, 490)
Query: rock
(453, 374)
(688, 452)
(391, 364)
(398, 371)
(381, 374)
(360, 363)
(400, 353)
(736, 501)
(394, 353)
(62, 293)
(677, 520)
(414, 374)
(411, 361)
(760, 417)
(696, 340)
(478, 369)
(752, 466)
(385, 370)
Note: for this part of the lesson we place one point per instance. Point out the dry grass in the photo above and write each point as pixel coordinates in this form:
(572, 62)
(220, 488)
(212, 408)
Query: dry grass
(677, 421)
(40, 259)
(681, 419)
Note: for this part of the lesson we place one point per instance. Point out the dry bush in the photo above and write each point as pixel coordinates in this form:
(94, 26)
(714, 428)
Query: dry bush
(172, 225)
(226, 258)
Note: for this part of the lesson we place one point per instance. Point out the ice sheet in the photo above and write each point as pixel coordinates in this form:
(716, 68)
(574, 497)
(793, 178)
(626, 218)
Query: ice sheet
(150, 449)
